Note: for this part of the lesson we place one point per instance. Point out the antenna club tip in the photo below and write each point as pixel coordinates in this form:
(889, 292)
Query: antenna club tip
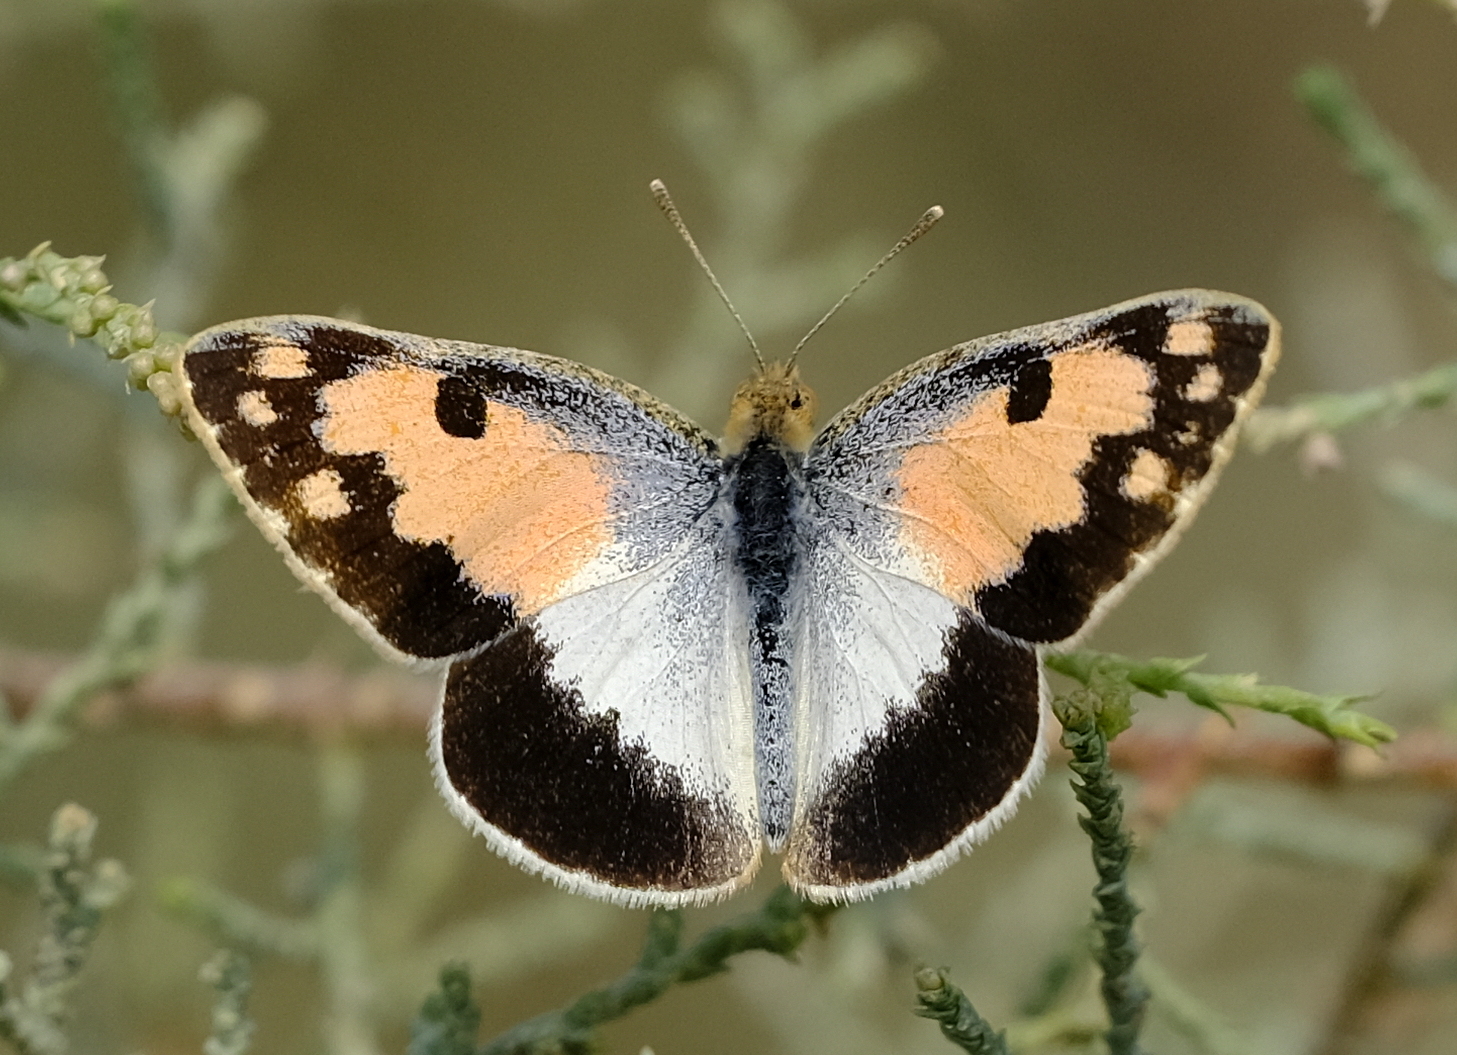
(935, 212)
(657, 186)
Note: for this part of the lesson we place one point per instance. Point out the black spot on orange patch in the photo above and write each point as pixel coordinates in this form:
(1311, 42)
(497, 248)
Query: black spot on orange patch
(1065, 571)
(460, 408)
(1031, 390)
(413, 593)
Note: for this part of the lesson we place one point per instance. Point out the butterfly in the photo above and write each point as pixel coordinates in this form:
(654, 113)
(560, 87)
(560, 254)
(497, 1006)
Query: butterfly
(664, 652)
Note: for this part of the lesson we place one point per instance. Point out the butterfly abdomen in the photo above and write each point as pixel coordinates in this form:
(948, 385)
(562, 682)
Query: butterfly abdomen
(766, 489)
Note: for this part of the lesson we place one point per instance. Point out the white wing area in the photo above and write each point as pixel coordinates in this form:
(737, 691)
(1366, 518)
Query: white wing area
(918, 727)
(634, 780)
(667, 650)
(865, 639)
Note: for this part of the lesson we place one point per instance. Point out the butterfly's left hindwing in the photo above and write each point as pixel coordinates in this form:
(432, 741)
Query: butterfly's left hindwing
(981, 503)
(544, 529)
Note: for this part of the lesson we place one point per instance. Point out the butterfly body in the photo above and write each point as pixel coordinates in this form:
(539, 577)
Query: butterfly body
(664, 651)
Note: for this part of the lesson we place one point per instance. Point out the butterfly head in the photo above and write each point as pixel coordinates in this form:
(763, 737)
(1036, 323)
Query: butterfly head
(773, 403)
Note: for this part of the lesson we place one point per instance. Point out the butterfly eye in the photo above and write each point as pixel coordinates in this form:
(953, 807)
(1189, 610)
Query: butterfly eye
(796, 401)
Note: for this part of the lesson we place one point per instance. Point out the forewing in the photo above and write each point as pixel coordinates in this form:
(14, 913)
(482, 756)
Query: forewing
(1025, 480)
(1028, 475)
(435, 491)
(491, 507)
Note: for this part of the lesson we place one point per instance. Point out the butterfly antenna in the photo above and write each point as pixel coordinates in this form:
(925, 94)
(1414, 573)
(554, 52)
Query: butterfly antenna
(665, 202)
(924, 224)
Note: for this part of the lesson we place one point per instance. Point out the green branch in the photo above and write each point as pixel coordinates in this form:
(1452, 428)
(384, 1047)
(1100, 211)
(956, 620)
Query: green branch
(1111, 675)
(133, 631)
(73, 896)
(1196, 1021)
(1421, 492)
(1333, 411)
(339, 915)
(1084, 716)
(448, 1021)
(1405, 191)
(780, 927)
(230, 974)
(75, 293)
(137, 106)
(237, 923)
(1379, 158)
(331, 937)
(753, 132)
(184, 177)
(961, 1024)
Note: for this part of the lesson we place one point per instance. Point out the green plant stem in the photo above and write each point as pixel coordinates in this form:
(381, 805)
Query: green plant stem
(73, 896)
(238, 923)
(1124, 994)
(1380, 159)
(1333, 411)
(183, 177)
(939, 1000)
(1421, 492)
(447, 1023)
(343, 957)
(230, 974)
(1200, 1024)
(1109, 674)
(137, 106)
(75, 293)
(129, 639)
(780, 927)
(753, 135)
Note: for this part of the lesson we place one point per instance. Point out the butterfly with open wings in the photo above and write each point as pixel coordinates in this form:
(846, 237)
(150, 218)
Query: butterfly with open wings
(664, 652)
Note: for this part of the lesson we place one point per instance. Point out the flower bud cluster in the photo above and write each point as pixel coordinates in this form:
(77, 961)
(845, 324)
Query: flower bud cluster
(75, 293)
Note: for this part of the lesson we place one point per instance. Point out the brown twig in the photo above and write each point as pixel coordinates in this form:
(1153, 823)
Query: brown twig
(1377, 1006)
(212, 697)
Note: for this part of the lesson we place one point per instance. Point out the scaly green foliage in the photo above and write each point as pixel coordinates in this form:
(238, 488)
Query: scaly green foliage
(448, 1021)
(230, 974)
(1113, 676)
(939, 1000)
(73, 896)
(1388, 167)
(779, 926)
(75, 293)
(1084, 733)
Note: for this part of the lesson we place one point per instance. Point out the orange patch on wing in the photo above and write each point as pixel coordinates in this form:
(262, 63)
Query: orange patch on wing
(1148, 477)
(254, 408)
(976, 492)
(281, 361)
(322, 495)
(1189, 337)
(520, 510)
(1207, 384)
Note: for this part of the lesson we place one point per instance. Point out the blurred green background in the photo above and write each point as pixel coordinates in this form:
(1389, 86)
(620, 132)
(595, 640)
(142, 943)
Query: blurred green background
(478, 170)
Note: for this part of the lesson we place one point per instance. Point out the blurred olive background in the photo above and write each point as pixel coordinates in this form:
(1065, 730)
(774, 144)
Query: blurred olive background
(479, 170)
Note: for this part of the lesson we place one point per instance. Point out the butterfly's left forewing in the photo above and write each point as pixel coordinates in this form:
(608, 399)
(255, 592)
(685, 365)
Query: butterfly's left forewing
(983, 502)
(551, 534)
